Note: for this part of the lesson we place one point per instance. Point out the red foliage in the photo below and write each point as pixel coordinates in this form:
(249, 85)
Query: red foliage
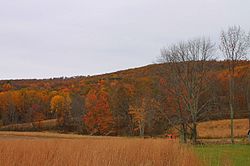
(99, 119)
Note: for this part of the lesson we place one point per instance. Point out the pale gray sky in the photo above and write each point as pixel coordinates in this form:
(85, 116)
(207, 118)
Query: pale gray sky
(51, 38)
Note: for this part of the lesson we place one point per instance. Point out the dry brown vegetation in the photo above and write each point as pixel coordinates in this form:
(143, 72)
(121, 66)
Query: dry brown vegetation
(18, 135)
(44, 124)
(92, 151)
(221, 128)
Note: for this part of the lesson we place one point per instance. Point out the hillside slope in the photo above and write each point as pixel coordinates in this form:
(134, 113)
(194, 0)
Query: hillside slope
(105, 100)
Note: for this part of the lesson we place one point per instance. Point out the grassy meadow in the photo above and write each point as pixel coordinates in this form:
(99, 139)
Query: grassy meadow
(218, 151)
(217, 155)
(27, 151)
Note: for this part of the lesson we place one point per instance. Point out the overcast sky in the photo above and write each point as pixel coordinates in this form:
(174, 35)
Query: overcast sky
(52, 38)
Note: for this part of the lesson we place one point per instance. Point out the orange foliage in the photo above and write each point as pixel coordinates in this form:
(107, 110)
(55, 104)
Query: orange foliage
(6, 87)
(99, 119)
(30, 100)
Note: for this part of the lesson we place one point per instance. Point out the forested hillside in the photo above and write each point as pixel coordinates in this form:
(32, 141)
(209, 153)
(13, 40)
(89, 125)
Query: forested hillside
(130, 102)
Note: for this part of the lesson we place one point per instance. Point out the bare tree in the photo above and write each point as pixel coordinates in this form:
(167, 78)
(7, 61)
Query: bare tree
(234, 46)
(188, 77)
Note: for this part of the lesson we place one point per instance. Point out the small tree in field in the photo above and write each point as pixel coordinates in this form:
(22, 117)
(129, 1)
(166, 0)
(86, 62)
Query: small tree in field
(234, 45)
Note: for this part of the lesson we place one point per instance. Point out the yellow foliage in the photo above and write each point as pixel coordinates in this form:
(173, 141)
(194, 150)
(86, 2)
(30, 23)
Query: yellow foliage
(57, 103)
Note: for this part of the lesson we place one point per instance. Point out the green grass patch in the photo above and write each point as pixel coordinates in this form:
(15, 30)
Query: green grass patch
(217, 155)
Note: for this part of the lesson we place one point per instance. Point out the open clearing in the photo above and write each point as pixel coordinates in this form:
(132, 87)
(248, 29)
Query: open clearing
(31, 149)
(221, 128)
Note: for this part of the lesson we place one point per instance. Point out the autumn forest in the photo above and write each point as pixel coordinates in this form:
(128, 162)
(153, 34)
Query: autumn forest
(187, 86)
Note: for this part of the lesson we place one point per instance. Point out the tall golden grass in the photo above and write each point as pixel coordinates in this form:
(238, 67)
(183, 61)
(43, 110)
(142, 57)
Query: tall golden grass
(94, 152)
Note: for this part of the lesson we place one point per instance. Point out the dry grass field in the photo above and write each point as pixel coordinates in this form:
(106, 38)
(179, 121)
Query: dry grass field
(221, 128)
(52, 149)
(102, 151)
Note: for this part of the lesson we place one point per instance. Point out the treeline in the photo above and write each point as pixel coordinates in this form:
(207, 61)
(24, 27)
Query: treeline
(129, 106)
(124, 107)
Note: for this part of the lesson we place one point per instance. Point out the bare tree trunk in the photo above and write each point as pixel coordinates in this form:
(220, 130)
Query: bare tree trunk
(183, 133)
(142, 127)
(183, 130)
(248, 108)
(232, 123)
(248, 102)
(194, 133)
(231, 104)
